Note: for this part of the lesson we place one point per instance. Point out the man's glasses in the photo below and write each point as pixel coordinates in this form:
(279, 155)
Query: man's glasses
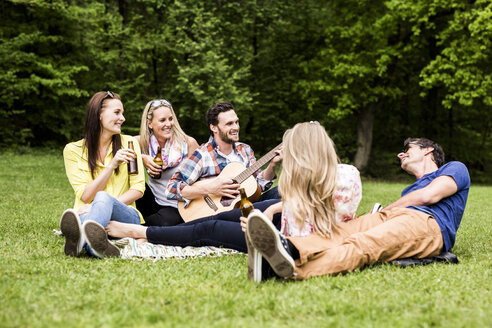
(160, 102)
(407, 146)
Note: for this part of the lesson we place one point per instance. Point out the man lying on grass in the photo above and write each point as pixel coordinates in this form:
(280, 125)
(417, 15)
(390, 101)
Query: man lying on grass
(422, 223)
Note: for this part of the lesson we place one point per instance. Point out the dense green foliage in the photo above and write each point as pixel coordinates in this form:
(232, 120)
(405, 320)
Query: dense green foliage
(41, 287)
(371, 72)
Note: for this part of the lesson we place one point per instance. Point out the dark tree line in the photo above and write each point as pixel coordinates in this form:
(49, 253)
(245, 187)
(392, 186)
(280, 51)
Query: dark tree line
(371, 72)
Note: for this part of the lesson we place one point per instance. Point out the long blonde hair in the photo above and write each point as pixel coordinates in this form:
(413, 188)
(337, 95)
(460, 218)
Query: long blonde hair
(178, 136)
(308, 178)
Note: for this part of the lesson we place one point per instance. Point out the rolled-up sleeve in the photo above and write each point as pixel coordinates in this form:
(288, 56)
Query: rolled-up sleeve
(77, 169)
(188, 172)
(264, 184)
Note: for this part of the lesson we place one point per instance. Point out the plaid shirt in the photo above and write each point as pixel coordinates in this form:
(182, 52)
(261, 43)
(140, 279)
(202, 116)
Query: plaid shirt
(207, 162)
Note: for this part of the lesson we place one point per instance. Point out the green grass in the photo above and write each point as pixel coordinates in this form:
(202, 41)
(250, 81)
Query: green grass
(41, 287)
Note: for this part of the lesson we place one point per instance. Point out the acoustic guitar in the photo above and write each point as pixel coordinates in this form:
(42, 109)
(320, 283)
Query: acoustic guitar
(214, 204)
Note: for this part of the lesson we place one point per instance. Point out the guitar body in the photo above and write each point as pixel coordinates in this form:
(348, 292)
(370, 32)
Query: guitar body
(214, 204)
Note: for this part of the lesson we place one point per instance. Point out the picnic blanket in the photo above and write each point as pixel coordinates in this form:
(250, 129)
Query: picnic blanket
(130, 249)
(133, 250)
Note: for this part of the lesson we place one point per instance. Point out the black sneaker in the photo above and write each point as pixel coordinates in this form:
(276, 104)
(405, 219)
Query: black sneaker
(97, 238)
(270, 243)
(71, 230)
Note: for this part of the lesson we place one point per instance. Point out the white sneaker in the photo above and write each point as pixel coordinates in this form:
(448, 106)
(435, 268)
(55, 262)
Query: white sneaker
(97, 238)
(376, 208)
(270, 243)
(254, 261)
(71, 230)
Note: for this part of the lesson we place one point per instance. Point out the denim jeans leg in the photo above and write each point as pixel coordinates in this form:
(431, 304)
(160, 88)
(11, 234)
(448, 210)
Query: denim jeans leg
(105, 208)
(124, 213)
(101, 209)
(218, 233)
(270, 194)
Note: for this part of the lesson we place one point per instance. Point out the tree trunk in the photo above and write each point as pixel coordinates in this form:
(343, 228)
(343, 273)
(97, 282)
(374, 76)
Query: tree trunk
(365, 123)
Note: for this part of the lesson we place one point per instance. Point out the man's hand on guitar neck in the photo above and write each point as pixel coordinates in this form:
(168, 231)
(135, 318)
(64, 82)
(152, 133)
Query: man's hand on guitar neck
(269, 173)
(218, 186)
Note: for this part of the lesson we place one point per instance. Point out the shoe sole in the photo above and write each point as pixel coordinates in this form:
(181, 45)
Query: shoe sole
(254, 262)
(97, 238)
(70, 227)
(264, 237)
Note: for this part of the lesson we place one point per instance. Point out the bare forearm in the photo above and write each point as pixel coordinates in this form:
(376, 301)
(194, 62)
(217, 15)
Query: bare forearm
(192, 192)
(269, 172)
(96, 185)
(411, 199)
(130, 196)
(276, 208)
(441, 187)
(273, 209)
(216, 186)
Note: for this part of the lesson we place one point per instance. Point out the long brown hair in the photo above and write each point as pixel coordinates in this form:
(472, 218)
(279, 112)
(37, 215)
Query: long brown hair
(92, 128)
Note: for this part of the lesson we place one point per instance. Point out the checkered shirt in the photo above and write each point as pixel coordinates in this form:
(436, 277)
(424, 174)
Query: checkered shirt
(207, 162)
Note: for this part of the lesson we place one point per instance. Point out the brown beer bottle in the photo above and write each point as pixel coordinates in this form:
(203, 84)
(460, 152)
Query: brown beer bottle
(132, 164)
(246, 206)
(158, 161)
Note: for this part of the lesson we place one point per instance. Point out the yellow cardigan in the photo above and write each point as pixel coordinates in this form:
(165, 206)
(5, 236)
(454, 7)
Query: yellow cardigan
(79, 173)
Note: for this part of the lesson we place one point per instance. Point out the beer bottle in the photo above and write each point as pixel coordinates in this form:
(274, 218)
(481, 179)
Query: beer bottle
(158, 161)
(246, 206)
(132, 164)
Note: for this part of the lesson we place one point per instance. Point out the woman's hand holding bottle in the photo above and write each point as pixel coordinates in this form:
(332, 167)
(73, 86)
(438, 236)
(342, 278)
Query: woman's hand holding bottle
(122, 156)
(152, 168)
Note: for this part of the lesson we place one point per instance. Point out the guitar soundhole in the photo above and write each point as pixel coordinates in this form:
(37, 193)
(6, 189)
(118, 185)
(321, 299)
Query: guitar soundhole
(226, 201)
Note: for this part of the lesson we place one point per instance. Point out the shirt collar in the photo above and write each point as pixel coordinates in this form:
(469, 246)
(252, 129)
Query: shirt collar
(215, 146)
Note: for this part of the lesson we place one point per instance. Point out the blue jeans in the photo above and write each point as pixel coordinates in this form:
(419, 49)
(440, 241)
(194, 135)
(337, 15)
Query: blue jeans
(221, 230)
(270, 194)
(106, 208)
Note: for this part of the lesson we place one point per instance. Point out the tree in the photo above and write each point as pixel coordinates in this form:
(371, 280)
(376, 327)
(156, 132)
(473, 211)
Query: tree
(463, 71)
(39, 70)
(351, 74)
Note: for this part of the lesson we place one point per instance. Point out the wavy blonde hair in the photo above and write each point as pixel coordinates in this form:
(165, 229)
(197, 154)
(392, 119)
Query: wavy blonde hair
(308, 178)
(177, 135)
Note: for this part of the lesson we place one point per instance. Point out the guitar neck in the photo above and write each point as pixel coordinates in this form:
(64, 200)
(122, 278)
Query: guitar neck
(256, 166)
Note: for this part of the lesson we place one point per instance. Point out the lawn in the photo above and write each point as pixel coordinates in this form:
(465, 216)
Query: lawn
(41, 287)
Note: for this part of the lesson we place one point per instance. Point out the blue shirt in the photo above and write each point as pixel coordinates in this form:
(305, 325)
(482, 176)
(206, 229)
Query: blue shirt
(448, 211)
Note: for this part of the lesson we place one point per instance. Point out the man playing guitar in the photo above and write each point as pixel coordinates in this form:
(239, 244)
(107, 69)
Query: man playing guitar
(211, 158)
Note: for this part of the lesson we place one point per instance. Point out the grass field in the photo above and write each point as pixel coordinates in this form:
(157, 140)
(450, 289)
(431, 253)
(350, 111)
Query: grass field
(41, 287)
